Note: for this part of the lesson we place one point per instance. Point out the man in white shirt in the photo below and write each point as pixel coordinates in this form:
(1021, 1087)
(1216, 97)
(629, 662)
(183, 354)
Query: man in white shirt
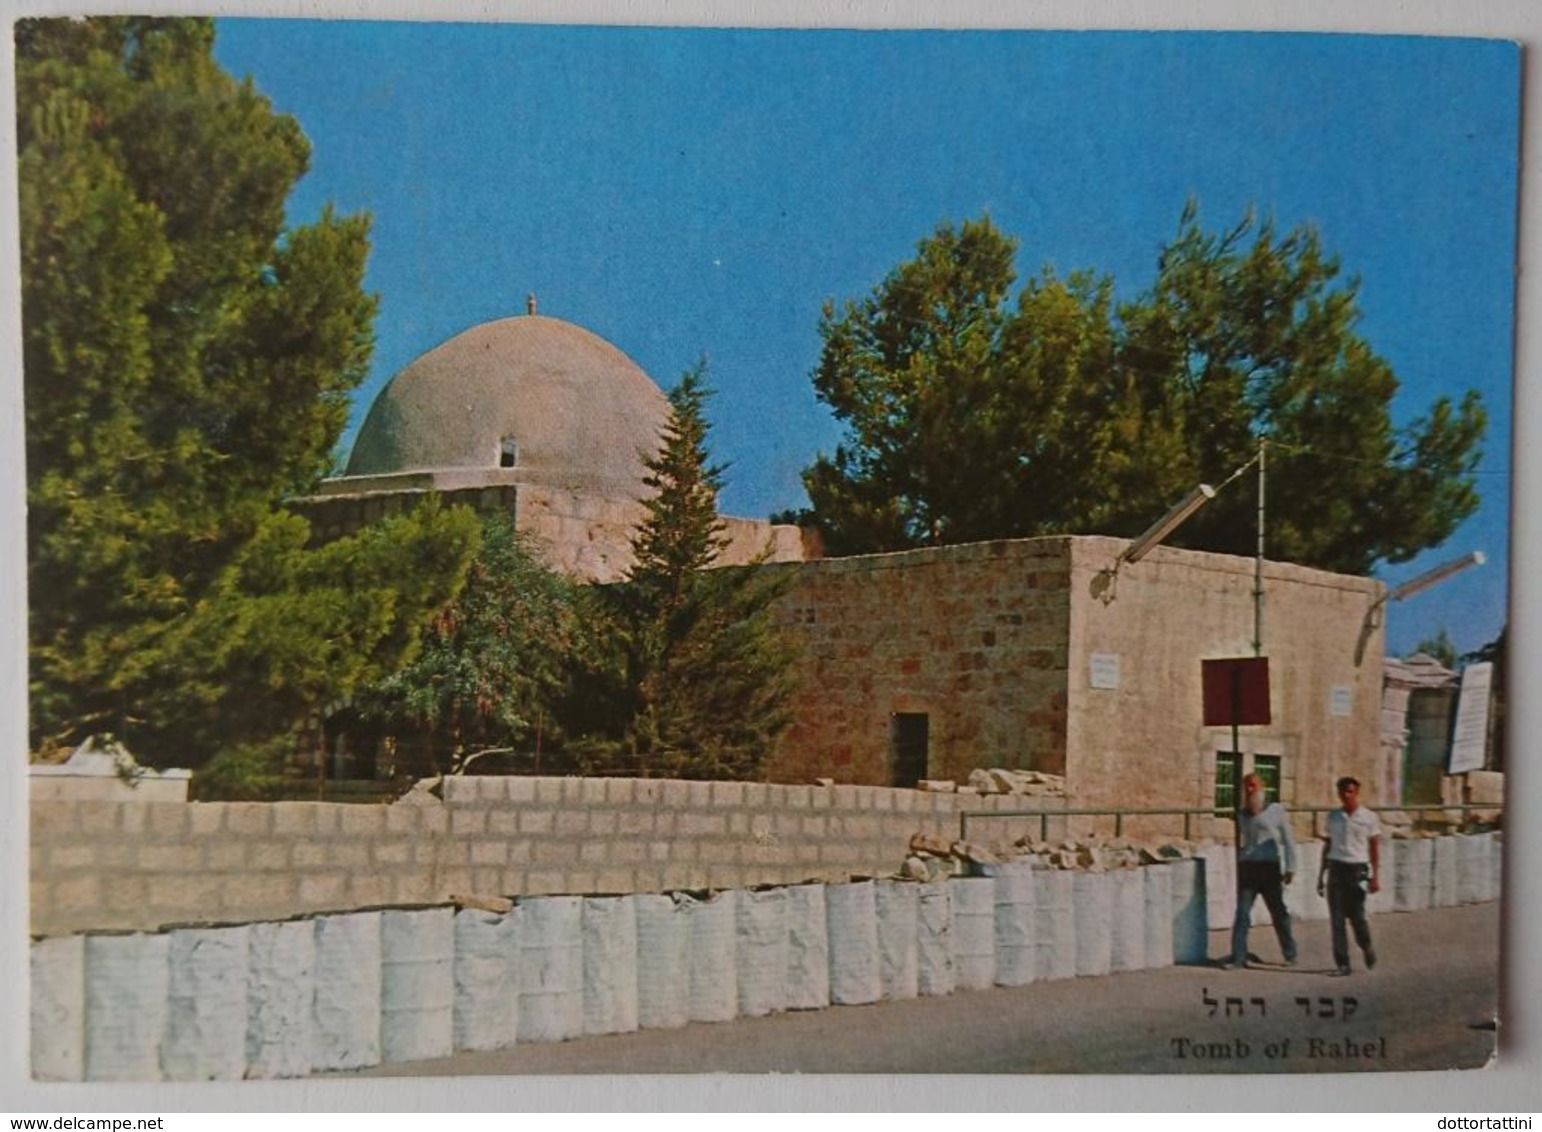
(1351, 870)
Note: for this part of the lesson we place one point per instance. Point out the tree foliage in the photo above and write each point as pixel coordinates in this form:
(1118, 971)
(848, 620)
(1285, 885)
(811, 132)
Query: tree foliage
(187, 368)
(969, 415)
(687, 676)
(492, 662)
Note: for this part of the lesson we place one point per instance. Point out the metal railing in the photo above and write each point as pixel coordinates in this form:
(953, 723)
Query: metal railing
(1419, 814)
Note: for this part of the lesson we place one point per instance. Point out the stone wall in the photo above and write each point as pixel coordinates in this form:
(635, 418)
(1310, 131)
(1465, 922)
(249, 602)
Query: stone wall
(99, 865)
(974, 637)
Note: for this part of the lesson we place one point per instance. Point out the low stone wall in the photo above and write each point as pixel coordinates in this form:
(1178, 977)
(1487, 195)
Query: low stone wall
(103, 865)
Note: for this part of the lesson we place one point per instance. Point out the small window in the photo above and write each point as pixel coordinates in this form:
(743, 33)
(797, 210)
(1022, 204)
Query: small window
(1226, 764)
(1267, 767)
(508, 452)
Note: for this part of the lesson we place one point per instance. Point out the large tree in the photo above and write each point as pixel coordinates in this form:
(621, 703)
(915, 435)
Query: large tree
(687, 675)
(970, 415)
(188, 362)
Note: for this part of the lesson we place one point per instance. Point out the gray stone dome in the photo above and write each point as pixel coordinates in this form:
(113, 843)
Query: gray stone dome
(541, 399)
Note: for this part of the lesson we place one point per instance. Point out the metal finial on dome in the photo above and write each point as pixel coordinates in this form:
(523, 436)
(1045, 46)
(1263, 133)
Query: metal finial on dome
(530, 303)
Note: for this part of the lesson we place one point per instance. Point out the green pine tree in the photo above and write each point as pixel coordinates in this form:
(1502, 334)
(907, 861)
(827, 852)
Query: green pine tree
(188, 362)
(688, 676)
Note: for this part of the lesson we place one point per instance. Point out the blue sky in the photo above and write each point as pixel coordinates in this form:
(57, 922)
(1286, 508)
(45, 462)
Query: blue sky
(690, 192)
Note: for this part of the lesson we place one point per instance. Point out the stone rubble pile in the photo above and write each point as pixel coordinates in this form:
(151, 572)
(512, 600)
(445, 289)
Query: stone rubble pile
(1030, 783)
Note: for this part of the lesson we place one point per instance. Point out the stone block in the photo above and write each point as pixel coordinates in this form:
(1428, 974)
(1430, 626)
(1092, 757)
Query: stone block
(363, 820)
(592, 791)
(489, 853)
(545, 882)
(468, 822)
(226, 856)
(249, 819)
(366, 889)
(433, 819)
(322, 890)
(76, 894)
(620, 791)
(520, 789)
(63, 857)
(169, 858)
(403, 819)
(134, 819)
(571, 823)
(294, 818)
(503, 823)
(728, 793)
(243, 896)
(391, 854)
(701, 825)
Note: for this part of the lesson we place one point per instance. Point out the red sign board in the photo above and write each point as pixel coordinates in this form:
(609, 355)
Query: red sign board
(1236, 691)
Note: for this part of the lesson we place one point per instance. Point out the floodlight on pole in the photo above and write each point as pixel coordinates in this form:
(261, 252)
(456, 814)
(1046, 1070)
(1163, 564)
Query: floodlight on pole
(1168, 523)
(1434, 577)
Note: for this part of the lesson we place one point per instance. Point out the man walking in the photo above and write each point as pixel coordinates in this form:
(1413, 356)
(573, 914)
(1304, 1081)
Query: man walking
(1351, 869)
(1266, 861)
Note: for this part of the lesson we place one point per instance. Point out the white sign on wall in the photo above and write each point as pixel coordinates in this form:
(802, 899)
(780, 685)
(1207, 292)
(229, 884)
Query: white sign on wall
(1469, 738)
(1341, 701)
(1105, 670)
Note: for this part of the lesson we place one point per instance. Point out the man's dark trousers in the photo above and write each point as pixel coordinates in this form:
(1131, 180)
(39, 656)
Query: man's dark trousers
(1348, 885)
(1260, 878)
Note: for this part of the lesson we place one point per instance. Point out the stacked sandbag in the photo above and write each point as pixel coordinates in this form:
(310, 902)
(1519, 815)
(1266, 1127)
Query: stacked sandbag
(663, 962)
(1015, 925)
(280, 999)
(126, 984)
(854, 966)
(808, 948)
(1443, 872)
(1157, 914)
(58, 1015)
(1384, 899)
(974, 932)
(206, 1004)
(1054, 923)
(1472, 868)
(417, 984)
(346, 1015)
(609, 930)
(714, 976)
(936, 973)
(1496, 861)
(1301, 896)
(760, 949)
(896, 904)
(1413, 875)
(1093, 904)
(486, 979)
(551, 968)
(1127, 942)
(1191, 932)
(1220, 882)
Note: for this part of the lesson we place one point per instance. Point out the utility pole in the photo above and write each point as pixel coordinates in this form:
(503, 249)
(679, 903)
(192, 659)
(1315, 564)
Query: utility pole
(1258, 562)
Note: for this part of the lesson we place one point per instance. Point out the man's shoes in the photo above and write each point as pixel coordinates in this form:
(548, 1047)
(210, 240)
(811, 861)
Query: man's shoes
(1370, 958)
(1342, 971)
(1289, 961)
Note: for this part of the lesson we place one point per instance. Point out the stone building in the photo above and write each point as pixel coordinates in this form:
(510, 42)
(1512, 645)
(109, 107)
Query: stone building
(1017, 654)
(919, 665)
(529, 415)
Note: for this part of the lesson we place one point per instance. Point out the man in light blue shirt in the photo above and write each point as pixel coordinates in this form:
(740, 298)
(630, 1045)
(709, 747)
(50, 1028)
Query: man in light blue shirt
(1266, 861)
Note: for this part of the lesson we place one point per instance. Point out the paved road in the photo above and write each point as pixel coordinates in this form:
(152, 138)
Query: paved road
(1429, 1004)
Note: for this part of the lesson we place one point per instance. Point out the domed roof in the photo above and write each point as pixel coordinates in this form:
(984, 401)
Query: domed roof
(546, 399)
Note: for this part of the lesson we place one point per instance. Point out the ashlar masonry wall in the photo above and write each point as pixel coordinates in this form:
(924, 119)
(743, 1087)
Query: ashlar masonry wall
(100, 865)
(974, 637)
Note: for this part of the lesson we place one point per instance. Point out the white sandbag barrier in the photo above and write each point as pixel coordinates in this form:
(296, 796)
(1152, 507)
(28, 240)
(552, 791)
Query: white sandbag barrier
(896, 904)
(663, 962)
(1014, 924)
(280, 999)
(974, 932)
(714, 978)
(486, 979)
(125, 994)
(346, 1013)
(936, 971)
(808, 948)
(854, 967)
(1496, 864)
(1191, 938)
(206, 1004)
(1092, 902)
(760, 950)
(417, 984)
(610, 964)
(1127, 942)
(1054, 922)
(58, 1014)
(1157, 914)
(551, 968)
(351, 990)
